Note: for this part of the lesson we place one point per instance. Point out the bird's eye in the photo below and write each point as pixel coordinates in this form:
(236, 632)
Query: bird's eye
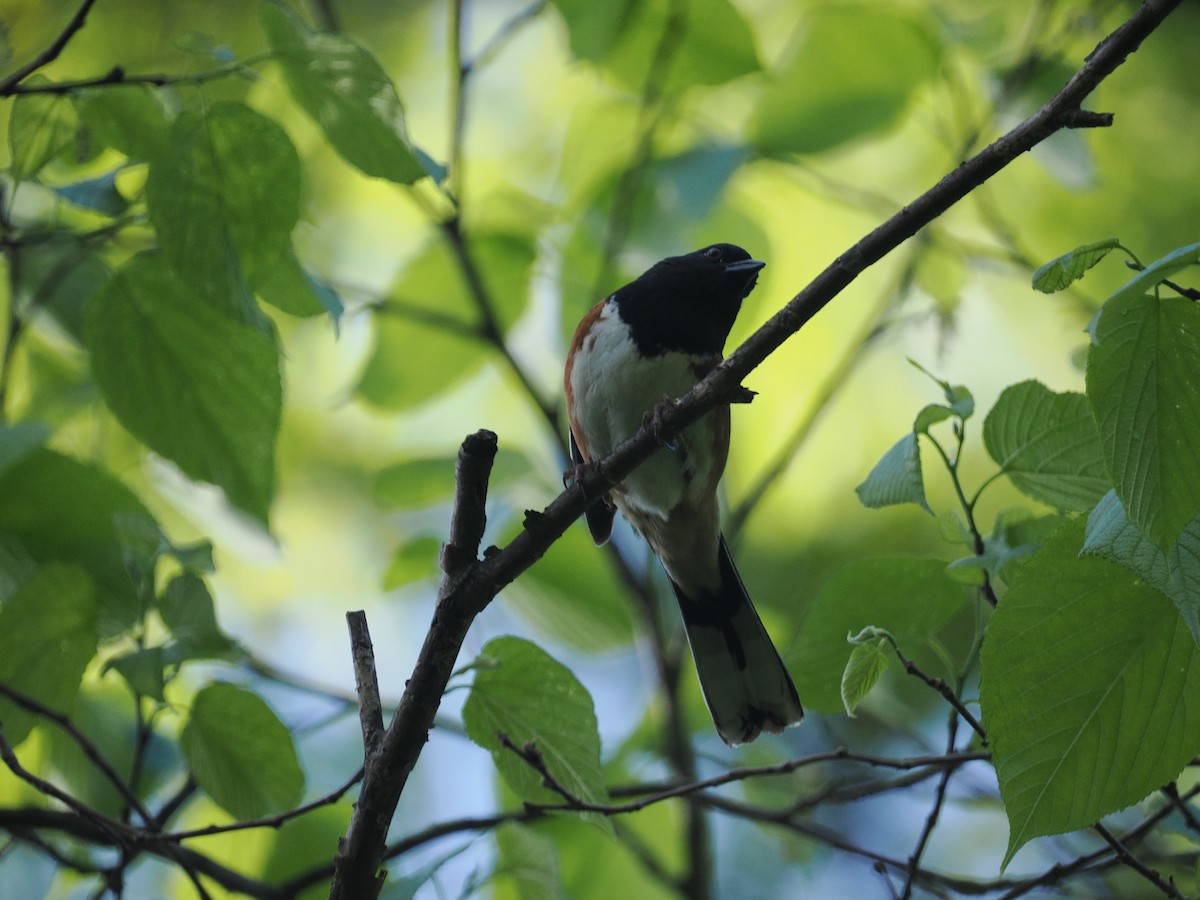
(713, 253)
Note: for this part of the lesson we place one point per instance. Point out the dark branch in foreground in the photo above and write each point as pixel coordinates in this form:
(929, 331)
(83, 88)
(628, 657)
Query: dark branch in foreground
(468, 590)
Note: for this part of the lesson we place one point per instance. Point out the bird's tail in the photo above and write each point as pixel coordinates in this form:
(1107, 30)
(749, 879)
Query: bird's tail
(746, 686)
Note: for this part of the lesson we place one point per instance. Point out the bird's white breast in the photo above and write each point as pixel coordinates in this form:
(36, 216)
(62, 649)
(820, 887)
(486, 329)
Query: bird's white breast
(613, 387)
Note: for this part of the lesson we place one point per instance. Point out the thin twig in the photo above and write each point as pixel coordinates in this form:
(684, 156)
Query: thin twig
(85, 744)
(1185, 809)
(939, 800)
(114, 829)
(944, 689)
(51, 53)
(118, 77)
(366, 682)
(275, 821)
(1125, 856)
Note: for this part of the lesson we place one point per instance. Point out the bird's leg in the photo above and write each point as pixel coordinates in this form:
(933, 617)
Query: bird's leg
(653, 420)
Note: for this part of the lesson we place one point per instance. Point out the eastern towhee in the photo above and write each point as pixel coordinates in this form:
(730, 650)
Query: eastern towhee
(656, 338)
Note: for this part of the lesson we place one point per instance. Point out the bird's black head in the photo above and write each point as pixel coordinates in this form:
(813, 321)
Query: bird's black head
(688, 303)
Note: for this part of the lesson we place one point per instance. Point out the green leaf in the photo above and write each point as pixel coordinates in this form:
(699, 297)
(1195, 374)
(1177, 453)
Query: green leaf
(63, 511)
(131, 118)
(432, 344)
(47, 639)
(1048, 446)
(187, 610)
(40, 128)
(292, 289)
(907, 597)
(347, 93)
(1090, 687)
(1143, 384)
(194, 385)
(58, 275)
(593, 29)
(850, 73)
(896, 478)
(1017, 534)
(930, 415)
(241, 755)
(224, 202)
(1184, 562)
(866, 664)
(1175, 574)
(142, 670)
(1060, 273)
(530, 697)
(958, 396)
(1153, 275)
(20, 439)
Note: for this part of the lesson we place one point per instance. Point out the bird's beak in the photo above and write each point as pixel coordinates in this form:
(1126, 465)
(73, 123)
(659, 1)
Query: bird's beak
(745, 265)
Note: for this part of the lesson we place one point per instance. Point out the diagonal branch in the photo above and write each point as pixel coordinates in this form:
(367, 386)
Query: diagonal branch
(467, 592)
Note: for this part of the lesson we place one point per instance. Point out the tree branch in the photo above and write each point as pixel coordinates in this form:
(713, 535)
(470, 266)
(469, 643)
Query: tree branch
(469, 589)
(387, 769)
(366, 682)
(85, 744)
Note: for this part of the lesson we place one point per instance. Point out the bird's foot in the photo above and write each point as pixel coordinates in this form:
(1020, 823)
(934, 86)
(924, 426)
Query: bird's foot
(653, 420)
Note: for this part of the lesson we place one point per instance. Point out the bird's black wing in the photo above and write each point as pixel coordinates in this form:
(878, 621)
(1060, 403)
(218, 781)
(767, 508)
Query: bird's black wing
(599, 515)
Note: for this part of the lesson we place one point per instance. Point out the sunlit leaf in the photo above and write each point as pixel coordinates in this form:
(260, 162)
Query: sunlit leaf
(1048, 446)
(346, 92)
(47, 638)
(851, 71)
(1090, 688)
(240, 754)
(1143, 384)
(194, 385)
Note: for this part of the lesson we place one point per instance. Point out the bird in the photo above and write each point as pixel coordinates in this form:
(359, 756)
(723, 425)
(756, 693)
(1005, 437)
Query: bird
(654, 339)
